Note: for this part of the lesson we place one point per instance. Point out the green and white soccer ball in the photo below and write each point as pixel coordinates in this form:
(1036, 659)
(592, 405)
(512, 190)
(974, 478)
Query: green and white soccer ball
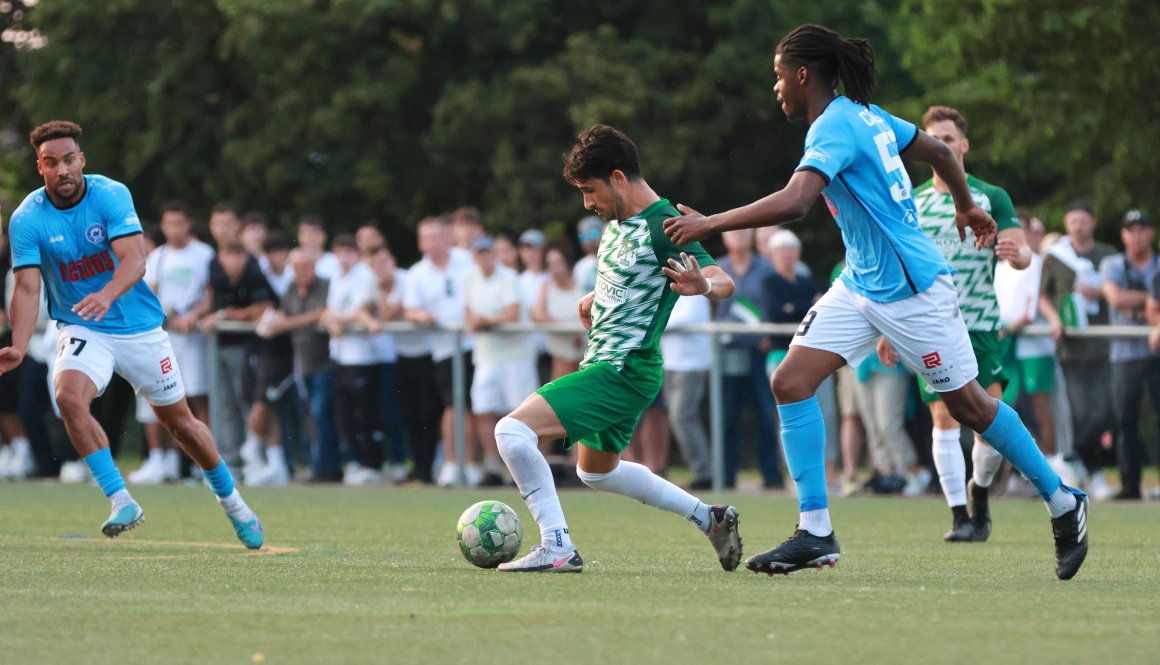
(489, 534)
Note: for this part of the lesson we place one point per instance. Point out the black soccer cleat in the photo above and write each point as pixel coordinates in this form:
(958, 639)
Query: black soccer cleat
(1071, 541)
(801, 550)
(962, 529)
(979, 500)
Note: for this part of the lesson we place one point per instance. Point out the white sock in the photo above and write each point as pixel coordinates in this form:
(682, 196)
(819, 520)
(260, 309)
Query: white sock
(950, 464)
(1061, 501)
(156, 455)
(20, 445)
(517, 446)
(236, 507)
(637, 481)
(987, 461)
(275, 455)
(120, 498)
(817, 522)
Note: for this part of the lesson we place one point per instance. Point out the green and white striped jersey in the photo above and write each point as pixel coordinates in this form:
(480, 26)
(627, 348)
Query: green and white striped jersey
(974, 268)
(633, 298)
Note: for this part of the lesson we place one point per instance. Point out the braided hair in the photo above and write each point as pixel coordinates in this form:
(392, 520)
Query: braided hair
(833, 57)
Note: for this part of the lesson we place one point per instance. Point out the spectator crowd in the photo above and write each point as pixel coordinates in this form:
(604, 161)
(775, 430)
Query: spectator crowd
(320, 391)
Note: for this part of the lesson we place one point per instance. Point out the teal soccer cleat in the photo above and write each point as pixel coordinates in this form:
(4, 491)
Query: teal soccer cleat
(123, 519)
(249, 532)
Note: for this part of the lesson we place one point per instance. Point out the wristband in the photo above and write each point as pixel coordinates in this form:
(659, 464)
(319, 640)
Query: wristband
(710, 289)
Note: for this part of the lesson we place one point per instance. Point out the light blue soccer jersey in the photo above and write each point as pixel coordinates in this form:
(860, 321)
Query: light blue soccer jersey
(856, 149)
(73, 249)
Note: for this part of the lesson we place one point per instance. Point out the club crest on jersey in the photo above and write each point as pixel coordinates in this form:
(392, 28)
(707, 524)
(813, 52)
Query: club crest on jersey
(626, 253)
(95, 234)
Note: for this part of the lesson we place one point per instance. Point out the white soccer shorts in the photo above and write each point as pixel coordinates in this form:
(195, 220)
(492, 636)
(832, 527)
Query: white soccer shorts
(926, 330)
(501, 387)
(146, 361)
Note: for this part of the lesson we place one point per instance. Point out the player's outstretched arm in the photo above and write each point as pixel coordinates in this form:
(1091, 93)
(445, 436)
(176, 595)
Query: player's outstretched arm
(785, 205)
(130, 252)
(22, 314)
(927, 149)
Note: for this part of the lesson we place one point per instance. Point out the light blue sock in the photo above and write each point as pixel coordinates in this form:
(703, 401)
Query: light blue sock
(220, 480)
(803, 438)
(105, 471)
(1010, 437)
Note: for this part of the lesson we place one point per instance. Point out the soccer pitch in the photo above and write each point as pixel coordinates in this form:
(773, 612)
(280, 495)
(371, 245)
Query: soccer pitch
(374, 576)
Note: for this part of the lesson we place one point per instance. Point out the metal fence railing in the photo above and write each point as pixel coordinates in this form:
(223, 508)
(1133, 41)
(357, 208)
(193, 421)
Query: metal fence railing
(715, 330)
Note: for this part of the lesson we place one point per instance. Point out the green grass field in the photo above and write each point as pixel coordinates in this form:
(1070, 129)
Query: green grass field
(374, 576)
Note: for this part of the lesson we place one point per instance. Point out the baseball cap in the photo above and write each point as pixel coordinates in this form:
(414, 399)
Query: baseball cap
(1136, 218)
(590, 228)
(532, 237)
(483, 243)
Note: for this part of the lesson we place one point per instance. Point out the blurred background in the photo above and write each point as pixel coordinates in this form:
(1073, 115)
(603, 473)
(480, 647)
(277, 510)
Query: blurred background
(395, 109)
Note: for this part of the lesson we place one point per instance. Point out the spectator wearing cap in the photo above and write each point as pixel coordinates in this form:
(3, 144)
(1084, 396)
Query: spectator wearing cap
(1069, 295)
(1126, 280)
(588, 232)
(505, 367)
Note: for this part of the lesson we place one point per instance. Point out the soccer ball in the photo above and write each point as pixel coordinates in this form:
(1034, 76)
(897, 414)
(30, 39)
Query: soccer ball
(489, 533)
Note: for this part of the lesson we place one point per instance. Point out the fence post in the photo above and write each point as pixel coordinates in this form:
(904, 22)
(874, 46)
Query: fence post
(459, 399)
(716, 413)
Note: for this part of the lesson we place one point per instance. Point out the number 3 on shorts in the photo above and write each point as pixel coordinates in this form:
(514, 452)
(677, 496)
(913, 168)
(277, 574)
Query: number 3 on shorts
(806, 323)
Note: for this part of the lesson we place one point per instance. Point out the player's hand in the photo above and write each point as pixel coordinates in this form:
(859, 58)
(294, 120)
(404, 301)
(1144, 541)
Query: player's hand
(688, 280)
(691, 226)
(977, 220)
(94, 306)
(1007, 249)
(584, 307)
(886, 353)
(10, 359)
(1056, 330)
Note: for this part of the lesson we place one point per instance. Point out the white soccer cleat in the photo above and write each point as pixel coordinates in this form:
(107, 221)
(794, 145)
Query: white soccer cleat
(540, 560)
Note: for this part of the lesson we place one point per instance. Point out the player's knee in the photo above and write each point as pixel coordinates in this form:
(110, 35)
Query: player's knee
(71, 402)
(973, 411)
(597, 481)
(789, 388)
(512, 436)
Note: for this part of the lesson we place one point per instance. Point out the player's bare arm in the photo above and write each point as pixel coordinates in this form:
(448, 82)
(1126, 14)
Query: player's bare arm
(689, 279)
(968, 214)
(785, 205)
(1011, 246)
(584, 307)
(22, 313)
(130, 253)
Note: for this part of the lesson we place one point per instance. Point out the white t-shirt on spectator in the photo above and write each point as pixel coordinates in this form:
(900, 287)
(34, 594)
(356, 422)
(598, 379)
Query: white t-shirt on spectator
(347, 294)
(440, 292)
(327, 266)
(179, 276)
(280, 283)
(584, 273)
(687, 352)
(489, 297)
(408, 345)
(530, 284)
(1017, 292)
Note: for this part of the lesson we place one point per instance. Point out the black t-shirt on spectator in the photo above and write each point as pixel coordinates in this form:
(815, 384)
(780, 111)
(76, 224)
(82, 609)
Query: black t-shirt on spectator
(251, 288)
(787, 302)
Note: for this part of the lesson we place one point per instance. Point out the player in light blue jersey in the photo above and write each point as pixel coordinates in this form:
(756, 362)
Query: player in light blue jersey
(895, 284)
(82, 234)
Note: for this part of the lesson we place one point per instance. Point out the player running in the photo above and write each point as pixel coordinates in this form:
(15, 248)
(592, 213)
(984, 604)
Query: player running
(896, 284)
(82, 234)
(640, 273)
(975, 286)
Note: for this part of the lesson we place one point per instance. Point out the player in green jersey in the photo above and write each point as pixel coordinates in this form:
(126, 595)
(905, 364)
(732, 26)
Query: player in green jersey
(640, 274)
(974, 284)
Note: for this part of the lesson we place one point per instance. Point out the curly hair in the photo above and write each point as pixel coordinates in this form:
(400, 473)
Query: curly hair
(600, 150)
(54, 129)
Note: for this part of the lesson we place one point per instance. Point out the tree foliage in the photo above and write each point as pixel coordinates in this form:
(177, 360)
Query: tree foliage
(396, 109)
